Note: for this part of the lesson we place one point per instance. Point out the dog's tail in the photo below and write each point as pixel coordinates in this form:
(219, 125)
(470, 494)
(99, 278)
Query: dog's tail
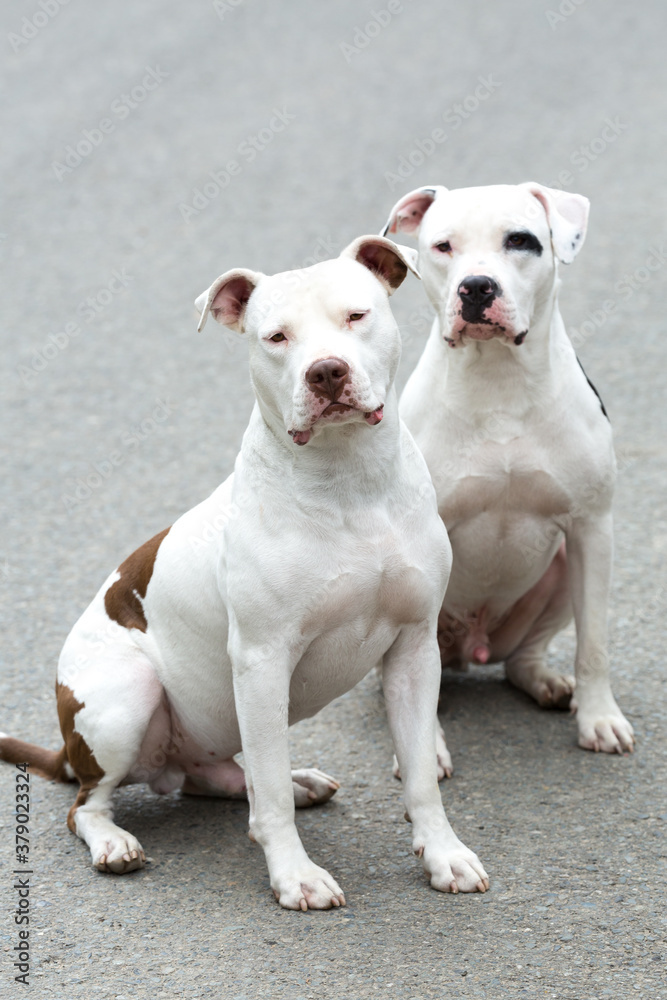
(51, 764)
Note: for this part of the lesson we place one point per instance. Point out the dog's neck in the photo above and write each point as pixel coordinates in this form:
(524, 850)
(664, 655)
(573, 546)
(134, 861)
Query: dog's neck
(343, 462)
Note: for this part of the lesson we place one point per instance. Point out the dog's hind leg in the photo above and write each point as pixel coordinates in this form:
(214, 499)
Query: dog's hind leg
(91, 818)
(526, 666)
(104, 725)
(227, 780)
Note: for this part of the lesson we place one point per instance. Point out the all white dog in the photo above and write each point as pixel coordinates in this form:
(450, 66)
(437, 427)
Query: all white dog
(320, 558)
(517, 442)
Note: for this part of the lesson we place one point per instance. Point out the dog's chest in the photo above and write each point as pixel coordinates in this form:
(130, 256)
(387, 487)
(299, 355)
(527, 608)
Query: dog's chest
(502, 512)
(352, 621)
(503, 480)
(375, 571)
(504, 496)
(372, 589)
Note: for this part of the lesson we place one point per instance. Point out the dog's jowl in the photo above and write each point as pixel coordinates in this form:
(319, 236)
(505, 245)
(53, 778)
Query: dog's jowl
(320, 558)
(517, 442)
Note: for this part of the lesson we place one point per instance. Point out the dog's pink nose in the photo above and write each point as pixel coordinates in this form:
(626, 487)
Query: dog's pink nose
(327, 377)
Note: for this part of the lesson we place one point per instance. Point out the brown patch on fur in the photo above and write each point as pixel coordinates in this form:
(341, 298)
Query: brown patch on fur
(48, 764)
(122, 599)
(79, 754)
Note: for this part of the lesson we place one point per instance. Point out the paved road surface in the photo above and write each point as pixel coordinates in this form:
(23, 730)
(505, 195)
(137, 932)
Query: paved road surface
(315, 117)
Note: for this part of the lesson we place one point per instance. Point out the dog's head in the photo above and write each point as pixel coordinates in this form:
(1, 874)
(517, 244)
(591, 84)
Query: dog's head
(488, 255)
(324, 345)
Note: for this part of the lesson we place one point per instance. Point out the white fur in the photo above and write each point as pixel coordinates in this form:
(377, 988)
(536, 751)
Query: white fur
(311, 565)
(516, 441)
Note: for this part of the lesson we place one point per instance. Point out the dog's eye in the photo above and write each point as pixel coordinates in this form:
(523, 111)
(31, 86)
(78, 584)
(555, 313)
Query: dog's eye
(353, 317)
(523, 241)
(445, 247)
(277, 337)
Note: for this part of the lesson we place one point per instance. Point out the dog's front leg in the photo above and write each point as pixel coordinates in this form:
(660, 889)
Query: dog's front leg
(411, 680)
(261, 690)
(602, 725)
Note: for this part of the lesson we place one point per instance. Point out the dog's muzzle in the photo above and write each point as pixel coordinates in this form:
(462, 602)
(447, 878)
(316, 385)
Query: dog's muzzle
(329, 382)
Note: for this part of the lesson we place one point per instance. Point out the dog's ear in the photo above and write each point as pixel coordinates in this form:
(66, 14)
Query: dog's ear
(227, 298)
(567, 215)
(387, 261)
(407, 214)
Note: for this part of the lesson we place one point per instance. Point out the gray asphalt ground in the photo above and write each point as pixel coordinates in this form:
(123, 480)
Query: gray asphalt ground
(118, 416)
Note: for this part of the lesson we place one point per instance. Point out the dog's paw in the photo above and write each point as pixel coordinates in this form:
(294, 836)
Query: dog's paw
(312, 787)
(308, 888)
(442, 756)
(453, 868)
(548, 689)
(553, 690)
(445, 768)
(609, 732)
(118, 854)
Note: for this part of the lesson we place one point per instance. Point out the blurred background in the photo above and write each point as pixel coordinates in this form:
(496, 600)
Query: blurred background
(147, 148)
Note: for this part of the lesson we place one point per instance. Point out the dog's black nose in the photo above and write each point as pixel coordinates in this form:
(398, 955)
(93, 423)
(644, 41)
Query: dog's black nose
(477, 292)
(327, 377)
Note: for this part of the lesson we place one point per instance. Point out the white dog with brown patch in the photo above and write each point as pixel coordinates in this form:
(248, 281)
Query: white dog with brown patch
(321, 557)
(518, 444)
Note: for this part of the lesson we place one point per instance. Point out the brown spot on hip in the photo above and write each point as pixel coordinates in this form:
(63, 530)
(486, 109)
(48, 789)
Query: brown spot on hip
(123, 598)
(79, 754)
